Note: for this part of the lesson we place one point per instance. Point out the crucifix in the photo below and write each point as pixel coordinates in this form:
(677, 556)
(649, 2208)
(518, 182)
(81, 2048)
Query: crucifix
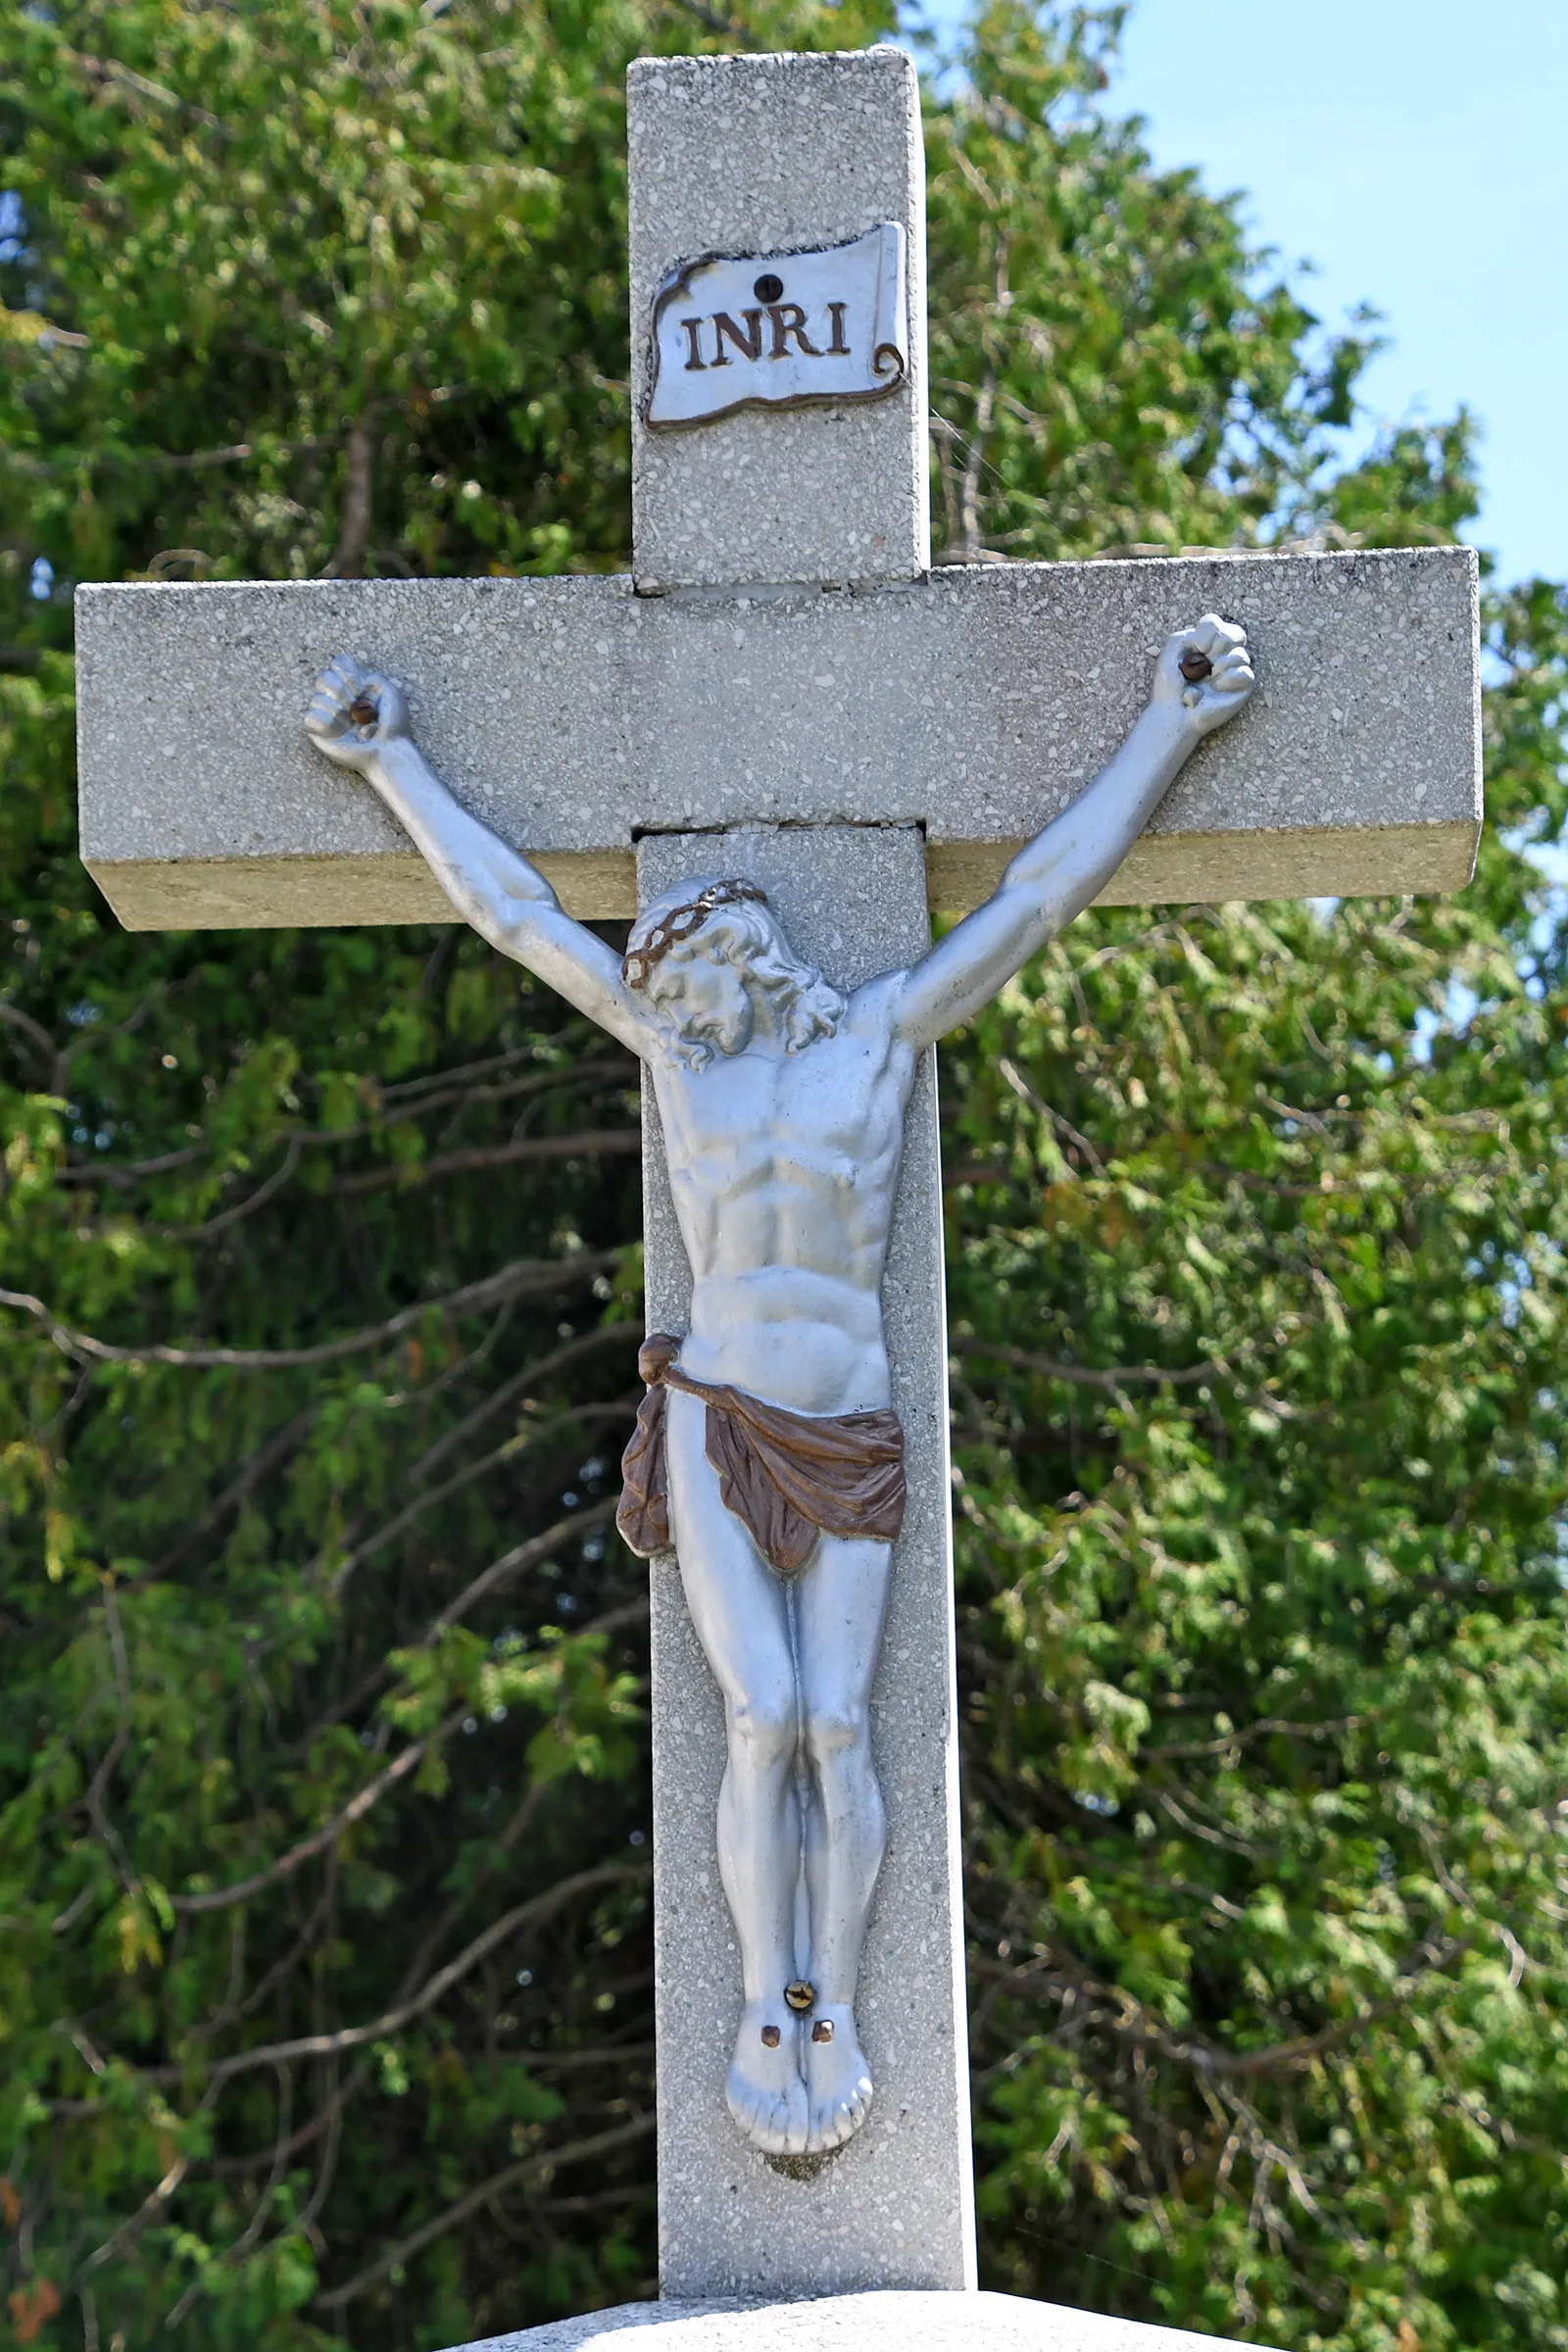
(778, 745)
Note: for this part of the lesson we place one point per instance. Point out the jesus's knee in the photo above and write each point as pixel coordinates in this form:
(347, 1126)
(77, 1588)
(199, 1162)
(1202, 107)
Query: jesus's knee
(764, 1729)
(835, 1732)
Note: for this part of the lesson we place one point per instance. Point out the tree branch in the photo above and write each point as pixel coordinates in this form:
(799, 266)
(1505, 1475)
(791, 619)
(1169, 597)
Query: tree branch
(220, 1898)
(102, 69)
(252, 1202)
(521, 1557)
(530, 1376)
(523, 1274)
(254, 2227)
(129, 2231)
(726, 25)
(354, 2038)
(413, 1096)
(1132, 2023)
(348, 559)
(183, 460)
(274, 1451)
(1020, 1360)
(123, 1177)
(23, 1022)
(1261, 1730)
(522, 2174)
(969, 548)
(587, 1416)
(512, 1563)
(601, 1141)
(412, 1099)
(235, 2008)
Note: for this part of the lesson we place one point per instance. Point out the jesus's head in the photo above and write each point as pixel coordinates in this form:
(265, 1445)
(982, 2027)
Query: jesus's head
(711, 959)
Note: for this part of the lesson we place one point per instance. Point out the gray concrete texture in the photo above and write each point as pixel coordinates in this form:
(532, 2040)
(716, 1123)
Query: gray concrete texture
(573, 716)
(894, 2208)
(732, 154)
(868, 2322)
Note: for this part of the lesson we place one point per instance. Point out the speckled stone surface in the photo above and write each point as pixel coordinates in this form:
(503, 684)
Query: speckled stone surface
(894, 2208)
(573, 715)
(869, 2322)
(762, 154)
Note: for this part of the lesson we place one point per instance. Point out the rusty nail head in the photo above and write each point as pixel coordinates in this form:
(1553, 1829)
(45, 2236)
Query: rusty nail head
(823, 2030)
(800, 1995)
(770, 2038)
(1195, 667)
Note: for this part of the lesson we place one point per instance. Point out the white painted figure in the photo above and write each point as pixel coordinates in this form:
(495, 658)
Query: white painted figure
(782, 1103)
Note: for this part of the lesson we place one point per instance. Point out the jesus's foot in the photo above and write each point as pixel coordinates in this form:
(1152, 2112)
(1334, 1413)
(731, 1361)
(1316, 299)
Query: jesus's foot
(837, 2077)
(766, 2093)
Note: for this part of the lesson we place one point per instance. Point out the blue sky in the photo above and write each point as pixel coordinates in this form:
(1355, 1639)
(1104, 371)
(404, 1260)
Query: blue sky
(1417, 151)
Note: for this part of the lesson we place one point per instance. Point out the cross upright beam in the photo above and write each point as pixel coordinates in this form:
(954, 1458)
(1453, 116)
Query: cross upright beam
(764, 156)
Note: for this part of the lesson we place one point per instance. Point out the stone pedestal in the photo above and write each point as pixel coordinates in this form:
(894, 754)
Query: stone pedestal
(872, 2322)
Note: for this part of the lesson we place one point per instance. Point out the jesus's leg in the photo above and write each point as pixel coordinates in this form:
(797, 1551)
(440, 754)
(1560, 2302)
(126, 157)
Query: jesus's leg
(737, 1608)
(841, 1604)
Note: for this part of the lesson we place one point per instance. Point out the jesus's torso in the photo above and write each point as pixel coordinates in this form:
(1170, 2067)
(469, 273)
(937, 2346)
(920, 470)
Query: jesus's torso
(783, 1167)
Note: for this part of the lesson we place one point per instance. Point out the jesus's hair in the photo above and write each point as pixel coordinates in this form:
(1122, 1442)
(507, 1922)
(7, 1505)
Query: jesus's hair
(746, 936)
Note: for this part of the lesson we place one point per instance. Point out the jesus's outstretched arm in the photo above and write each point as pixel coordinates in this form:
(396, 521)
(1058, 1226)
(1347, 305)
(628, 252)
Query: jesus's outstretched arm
(1202, 679)
(360, 721)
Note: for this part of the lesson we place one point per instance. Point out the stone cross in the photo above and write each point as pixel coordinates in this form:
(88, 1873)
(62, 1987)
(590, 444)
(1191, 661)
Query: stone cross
(871, 740)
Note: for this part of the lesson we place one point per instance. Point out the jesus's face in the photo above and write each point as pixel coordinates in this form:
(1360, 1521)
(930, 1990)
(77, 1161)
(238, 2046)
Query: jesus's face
(706, 998)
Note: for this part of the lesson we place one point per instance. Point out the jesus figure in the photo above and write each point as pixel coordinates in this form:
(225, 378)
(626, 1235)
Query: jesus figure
(767, 1448)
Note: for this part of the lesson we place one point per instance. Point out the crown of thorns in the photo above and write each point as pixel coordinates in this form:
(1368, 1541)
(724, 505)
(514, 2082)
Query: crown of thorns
(681, 922)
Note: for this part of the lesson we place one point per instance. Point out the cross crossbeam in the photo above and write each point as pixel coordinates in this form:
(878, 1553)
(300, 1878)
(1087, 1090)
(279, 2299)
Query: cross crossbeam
(577, 715)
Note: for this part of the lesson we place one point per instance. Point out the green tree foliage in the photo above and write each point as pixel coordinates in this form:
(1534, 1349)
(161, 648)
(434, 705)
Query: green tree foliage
(323, 1937)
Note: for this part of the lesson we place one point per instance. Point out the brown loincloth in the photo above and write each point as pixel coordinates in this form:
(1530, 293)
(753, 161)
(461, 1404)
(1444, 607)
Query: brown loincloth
(786, 1476)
